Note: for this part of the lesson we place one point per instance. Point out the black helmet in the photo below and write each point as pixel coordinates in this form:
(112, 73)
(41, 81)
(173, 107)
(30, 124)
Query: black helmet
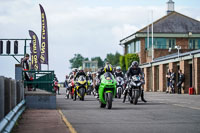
(134, 64)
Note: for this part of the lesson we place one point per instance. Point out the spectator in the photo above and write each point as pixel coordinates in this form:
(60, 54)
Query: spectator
(172, 81)
(25, 66)
(181, 79)
(56, 85)
(168, 80)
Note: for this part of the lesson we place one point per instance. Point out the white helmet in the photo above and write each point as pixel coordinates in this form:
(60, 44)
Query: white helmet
(118, 68)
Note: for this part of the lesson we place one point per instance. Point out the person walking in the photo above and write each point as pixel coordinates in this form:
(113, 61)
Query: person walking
(181, 79)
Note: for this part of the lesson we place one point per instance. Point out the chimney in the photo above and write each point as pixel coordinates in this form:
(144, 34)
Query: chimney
(170, 6)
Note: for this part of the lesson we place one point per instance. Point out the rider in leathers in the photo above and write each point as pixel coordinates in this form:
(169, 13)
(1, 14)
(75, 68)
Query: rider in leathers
(78, 74)
(118, 72)
(133, 70)
(108, 68)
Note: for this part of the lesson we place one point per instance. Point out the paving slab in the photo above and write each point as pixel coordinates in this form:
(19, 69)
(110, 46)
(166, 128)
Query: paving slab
(41, 121)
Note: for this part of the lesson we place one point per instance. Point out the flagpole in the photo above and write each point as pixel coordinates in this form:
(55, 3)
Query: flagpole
(152, 39)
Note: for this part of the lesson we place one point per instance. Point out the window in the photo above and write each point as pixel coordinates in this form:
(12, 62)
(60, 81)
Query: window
(171, 43)
(159, 43)
(87, 65)
(137, 46)
(134, 47)
(194, 43)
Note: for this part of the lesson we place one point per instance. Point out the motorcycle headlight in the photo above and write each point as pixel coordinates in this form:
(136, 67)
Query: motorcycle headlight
(134, 84)
(139, 84)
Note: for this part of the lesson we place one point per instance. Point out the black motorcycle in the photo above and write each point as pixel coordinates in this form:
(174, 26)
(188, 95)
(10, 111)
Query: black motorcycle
(134, 89)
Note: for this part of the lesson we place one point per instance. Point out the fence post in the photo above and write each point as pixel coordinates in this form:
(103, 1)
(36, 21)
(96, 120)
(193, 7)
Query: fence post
(7, 86)
(2, 97)
(21, 90)
(13, 94)
(18, 85)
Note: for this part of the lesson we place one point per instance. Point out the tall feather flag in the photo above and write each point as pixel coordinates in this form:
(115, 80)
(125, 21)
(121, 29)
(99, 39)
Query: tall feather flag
(44, 38)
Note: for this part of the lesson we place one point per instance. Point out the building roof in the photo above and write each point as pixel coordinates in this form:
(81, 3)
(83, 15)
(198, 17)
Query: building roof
(172, 58)
(173, 23)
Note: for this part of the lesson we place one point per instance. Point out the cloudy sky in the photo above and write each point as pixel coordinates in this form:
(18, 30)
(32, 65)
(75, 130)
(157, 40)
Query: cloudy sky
(89, 27)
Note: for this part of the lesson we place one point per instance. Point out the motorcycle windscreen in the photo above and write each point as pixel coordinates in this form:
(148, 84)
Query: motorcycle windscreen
(108, 76)
(81, 78)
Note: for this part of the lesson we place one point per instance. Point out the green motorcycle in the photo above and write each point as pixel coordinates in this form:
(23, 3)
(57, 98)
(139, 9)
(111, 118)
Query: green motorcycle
(107, 90)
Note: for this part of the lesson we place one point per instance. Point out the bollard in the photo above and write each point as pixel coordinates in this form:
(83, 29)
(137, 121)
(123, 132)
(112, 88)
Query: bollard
(2, 92)
(18, 84)
(21, 90)
(13, 94)
(7, 103)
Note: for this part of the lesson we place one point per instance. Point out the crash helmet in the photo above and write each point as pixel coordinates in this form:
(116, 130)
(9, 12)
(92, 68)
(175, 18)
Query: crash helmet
(118, 69)
(80, 69)
(88, 73)
(108, 68)
(74, 70)
(134, 64)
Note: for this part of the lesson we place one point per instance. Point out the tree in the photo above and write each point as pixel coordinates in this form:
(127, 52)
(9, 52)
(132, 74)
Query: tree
(113, 59)
(77, 61)
(122, 63)
(100, 61)
(129, 58)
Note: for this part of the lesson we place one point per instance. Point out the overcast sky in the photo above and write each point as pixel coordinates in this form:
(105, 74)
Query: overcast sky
(89, 27)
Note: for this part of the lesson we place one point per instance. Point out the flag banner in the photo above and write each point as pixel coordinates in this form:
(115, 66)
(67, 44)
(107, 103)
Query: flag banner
(35, 51)
(44, 38)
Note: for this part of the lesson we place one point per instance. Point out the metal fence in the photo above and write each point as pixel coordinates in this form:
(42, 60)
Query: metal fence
(11, 102)
(40, 79)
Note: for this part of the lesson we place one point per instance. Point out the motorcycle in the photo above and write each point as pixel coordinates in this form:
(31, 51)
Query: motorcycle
(70, 90)
(135, 89)
(56, 87)
(120, 84)
(81, 88)
(107, 90)
(90, 87)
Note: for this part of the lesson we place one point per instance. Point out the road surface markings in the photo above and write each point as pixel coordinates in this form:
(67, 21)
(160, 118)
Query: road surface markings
(187, 106)
(67, 123)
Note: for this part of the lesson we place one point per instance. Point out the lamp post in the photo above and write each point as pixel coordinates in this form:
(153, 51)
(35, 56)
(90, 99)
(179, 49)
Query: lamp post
(178, 48)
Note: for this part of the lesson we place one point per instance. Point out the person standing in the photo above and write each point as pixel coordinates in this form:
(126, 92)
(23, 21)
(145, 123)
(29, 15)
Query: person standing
(168, 80)
(181, 79)
(25, 67)
(172, 81)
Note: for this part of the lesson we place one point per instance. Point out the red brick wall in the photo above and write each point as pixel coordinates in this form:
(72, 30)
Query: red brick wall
(183, 42)
(184, 66)
(162, 78)
(164, 52)
(147, 76)
(142, 53)
(154, 86)
(197, 74)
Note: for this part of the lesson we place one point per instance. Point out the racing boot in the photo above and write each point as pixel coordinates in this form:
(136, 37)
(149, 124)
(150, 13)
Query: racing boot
(125, 93)
(142, 96)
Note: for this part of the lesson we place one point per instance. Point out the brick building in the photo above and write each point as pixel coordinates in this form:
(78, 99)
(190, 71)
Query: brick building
(189, 63)
(172, 32)
(90, 66)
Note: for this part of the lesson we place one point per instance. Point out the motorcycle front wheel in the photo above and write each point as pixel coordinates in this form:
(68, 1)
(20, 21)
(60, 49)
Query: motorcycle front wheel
(109, 100)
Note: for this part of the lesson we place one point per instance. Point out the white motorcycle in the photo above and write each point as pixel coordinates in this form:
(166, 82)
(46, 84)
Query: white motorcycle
(120, 87)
